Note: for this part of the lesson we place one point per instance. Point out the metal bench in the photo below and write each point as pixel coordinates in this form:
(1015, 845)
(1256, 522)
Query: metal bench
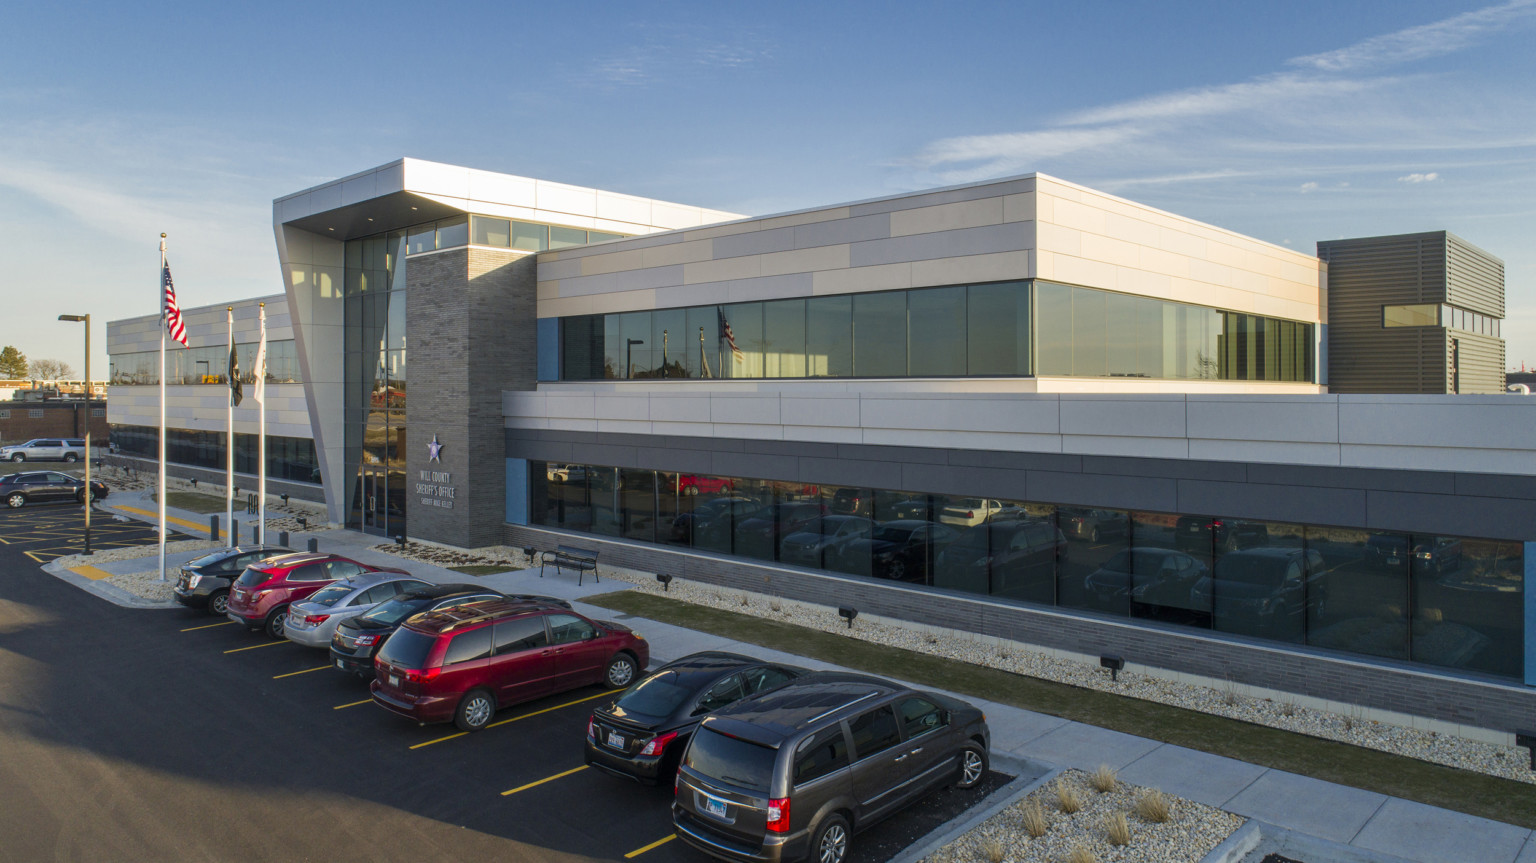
(570, 557)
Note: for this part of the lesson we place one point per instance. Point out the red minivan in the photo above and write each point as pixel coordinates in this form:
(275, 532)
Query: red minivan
(465, 662)
(260, 597)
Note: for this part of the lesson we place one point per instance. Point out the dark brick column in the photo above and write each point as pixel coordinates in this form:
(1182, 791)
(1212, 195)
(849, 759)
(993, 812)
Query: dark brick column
(471, 333)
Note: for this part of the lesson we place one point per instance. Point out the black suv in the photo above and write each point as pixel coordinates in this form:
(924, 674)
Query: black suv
(794, 772)
(20, 489)
(641, 735)
(204, 582)
(358, 639)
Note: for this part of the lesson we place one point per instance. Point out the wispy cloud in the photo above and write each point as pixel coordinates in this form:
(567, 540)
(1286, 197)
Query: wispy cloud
(1419, 178)
(1422, 42)
(1317, 105)
(668, 53)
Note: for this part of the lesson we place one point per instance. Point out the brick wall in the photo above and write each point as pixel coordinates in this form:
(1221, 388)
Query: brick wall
(58, 419)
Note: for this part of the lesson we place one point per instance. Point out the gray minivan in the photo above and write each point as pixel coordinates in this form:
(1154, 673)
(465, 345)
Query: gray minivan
(794, 772)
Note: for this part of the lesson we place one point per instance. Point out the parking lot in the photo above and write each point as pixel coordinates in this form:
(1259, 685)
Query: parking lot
(43, 532)
(171, 734)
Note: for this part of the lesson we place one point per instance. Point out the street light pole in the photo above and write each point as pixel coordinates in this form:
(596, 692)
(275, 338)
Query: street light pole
(86, 319)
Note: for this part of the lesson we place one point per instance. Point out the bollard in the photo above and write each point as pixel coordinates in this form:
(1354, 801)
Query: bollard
(314, 544)
(234, 532)
(282, 538)
(256, 534)
(213, 528)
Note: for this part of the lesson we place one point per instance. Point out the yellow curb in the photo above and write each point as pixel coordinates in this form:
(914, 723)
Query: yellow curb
(156, 516)
(92, 572)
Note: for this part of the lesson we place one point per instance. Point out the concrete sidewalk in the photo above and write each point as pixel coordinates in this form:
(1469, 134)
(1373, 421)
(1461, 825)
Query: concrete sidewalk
(1372, 824)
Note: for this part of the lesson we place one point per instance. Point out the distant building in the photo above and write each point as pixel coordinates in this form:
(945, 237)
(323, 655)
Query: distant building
(24, 419)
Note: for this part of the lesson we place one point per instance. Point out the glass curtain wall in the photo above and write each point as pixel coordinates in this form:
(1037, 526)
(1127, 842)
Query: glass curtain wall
(1451, 602)
(206, 365)
(288, 458)
(956, 331)
(375, 368)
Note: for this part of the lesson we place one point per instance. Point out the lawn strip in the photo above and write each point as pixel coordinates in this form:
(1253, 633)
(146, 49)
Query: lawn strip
(1396, 775)
(479, 569)
(195, 502)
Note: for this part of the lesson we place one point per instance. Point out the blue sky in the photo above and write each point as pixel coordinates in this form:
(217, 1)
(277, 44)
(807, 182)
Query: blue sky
(1290, 121)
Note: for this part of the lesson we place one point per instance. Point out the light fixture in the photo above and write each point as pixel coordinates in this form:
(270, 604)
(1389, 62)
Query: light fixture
(1528, 740)
(400, 540)
(194, 482)
(1115, 664)
(330, 229)
(666, 581)
(528, 552)
(848, 613)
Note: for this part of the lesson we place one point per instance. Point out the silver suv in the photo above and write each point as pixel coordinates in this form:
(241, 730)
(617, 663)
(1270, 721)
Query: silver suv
(45, 449)
(794, 772)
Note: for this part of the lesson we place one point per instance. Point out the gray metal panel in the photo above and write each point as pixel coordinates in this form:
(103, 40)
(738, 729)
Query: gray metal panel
(1365, 274)
(1480, 360)
(1475, 279)
(1300, 504)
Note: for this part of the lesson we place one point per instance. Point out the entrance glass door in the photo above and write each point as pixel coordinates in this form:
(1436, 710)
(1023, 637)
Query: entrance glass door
(375, 500)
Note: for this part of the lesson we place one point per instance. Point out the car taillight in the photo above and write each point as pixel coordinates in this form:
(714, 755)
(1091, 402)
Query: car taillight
(316, 619)
(1215, 525)
(778, 815)
(677, 780)
(367, 640)
(970, 513)
(592, 727)
(658, 743)
(418, 675)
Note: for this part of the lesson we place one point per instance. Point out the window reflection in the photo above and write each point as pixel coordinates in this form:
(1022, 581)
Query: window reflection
(1446, 601)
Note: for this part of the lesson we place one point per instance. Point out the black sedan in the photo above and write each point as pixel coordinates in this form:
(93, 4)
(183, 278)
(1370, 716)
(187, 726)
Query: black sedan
(44, 486)
(643, 733)
(204, 582)
(358, 639)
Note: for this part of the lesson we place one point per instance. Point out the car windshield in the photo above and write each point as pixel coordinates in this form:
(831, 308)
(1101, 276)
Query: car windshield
(1244, 569)
(731, 759)
(894, 532)
(657, 695)
(329, 596)
(967, 503)
(393, 611)
(252, 577)
(407, 648)
(207, 559)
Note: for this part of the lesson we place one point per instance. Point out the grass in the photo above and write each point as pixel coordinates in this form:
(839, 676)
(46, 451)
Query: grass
(1117, 829)
(1103, 779)
(1153, 807)
(196, 502)
(479, 569)
(1068, 798)
(1036, 823)
(1396, 775)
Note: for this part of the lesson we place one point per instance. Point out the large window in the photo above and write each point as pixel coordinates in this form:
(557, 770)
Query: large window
(288, 458)
(1001, 329)
(1451, 602)
(207, 365)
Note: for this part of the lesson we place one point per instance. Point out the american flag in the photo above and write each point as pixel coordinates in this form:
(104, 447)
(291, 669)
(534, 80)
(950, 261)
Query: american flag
(725, 327)
(171, 311)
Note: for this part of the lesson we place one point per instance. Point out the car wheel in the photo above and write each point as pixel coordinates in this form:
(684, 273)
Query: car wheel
(973, 767)
(277, 622)
(831, 842)
(475, 711)
(1094, 536)
(19, 457)
(621, 671)
(897, 571)
(218, 604)
(691, 490)
(71, 457)
(16, 500)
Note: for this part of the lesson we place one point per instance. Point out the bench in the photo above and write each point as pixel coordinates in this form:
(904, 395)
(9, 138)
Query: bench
(570, 557)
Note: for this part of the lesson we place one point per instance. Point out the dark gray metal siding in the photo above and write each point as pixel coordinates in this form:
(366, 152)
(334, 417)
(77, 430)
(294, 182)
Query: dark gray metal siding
(1475, 279)
(1481, 361)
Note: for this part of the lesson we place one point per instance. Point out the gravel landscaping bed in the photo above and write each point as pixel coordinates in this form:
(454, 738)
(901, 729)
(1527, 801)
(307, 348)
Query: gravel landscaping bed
(1189, 833)
(146, 585)
(1508, 762)
(503, 556)
(133, 552)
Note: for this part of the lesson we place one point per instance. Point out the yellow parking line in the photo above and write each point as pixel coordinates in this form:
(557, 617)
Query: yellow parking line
(94, 573)
(208, 626)
(544, 780)
(254, 646)
(516, 718)
(293, 673)
(657, 844)
(353, 704)
(156, 516)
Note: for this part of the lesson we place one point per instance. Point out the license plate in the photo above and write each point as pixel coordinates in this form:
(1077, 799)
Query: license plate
(340, 664)
(393, 680)
(714, 807)
(616, 740)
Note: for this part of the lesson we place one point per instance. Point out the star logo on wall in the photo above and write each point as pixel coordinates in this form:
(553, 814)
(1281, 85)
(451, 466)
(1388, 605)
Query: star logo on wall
(434, 449)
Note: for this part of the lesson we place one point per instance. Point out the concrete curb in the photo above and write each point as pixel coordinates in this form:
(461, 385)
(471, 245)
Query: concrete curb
(115, 595)
(1256, 839)
(1030, 775)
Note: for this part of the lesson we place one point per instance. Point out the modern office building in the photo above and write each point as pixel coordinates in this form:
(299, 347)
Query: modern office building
(1021, 408)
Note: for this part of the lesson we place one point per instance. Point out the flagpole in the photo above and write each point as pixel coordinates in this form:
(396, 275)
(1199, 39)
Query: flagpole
(164, 328)
(261, 412)
(229, 440)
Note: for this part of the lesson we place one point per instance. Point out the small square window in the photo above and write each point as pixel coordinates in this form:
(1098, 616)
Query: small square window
(98, 412)
(35, 413)
(5, 415)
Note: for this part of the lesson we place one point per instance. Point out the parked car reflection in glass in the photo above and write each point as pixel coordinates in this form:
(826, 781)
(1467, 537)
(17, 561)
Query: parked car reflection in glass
(822, 538)
(1269, 592)
(899, 550)
(1016, 559)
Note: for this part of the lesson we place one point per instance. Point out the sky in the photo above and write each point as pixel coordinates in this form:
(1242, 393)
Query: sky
(1292, 121)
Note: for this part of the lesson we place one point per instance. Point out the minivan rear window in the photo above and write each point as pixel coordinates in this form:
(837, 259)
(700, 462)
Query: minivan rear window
(731, 760)
(407, 648)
